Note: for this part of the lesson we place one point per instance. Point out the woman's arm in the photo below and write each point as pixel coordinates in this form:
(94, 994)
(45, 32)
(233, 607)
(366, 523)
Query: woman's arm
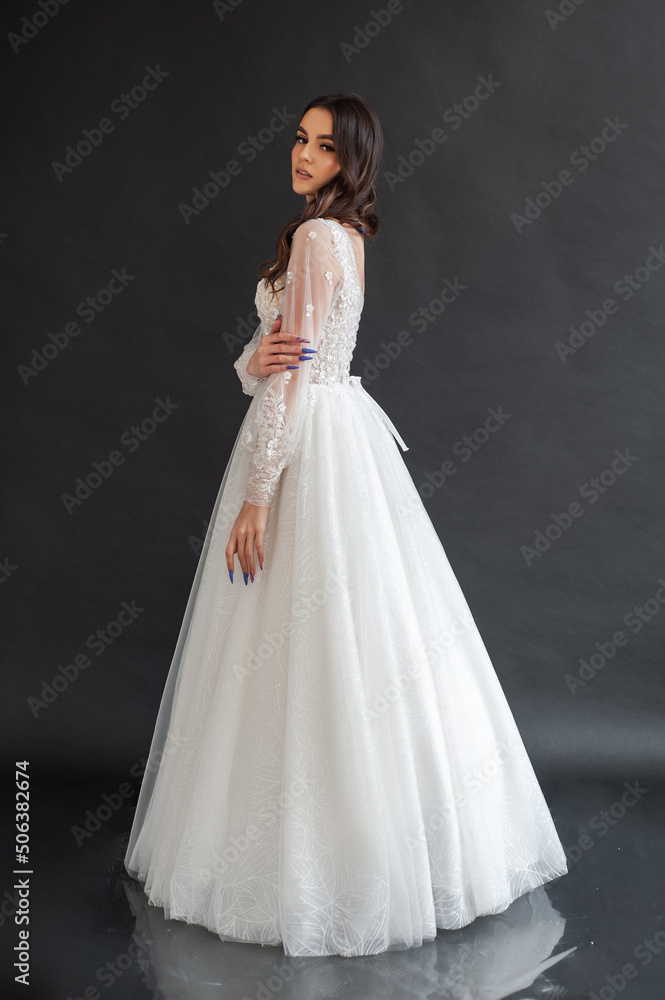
(275, 352)
(312, 278)
(264, 355)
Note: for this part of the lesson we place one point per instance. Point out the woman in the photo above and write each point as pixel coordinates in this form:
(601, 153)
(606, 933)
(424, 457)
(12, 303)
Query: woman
(334, 767)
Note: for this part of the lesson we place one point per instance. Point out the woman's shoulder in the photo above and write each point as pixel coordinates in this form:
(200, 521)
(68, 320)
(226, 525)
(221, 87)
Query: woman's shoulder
(327, 228)
(314, 229)
(318, 226)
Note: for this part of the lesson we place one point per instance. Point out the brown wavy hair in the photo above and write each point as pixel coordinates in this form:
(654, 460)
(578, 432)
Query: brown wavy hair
(350, 196)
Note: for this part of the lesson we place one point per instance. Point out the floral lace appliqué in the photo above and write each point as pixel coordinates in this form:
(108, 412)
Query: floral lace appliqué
(267, 453)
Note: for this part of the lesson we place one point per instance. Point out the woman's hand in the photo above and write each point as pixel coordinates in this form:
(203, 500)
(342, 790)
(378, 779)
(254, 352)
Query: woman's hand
(248, 531)
(276, 350)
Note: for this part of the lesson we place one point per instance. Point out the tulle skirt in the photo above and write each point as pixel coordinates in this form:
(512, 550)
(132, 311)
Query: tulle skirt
(335, 766)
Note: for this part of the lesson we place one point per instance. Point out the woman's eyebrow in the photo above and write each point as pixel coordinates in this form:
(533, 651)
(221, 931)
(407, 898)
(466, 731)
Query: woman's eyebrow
(301, 129)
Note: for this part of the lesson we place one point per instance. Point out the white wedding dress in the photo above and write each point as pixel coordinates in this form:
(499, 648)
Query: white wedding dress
(334, 765)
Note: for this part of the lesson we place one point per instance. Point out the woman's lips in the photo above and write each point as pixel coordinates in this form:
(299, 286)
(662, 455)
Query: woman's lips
(302, 173)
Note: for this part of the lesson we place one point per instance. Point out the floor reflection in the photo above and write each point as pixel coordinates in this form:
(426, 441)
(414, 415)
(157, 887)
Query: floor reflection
(491, 959)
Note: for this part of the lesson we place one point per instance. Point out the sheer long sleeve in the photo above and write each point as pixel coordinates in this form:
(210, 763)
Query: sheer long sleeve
(311, 283)
(250, 383)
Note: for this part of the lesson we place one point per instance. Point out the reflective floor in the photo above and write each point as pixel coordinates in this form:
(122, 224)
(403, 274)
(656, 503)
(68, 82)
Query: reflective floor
(596, 933)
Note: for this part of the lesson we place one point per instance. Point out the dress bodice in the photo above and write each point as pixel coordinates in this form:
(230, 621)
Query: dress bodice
(337, 340)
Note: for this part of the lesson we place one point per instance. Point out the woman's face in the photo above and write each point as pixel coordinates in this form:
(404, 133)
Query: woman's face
(314, 152)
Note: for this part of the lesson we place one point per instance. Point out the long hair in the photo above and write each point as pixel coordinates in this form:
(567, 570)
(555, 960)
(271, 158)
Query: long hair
(350, 195)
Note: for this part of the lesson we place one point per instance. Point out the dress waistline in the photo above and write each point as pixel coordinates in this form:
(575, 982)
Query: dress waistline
(355, 381)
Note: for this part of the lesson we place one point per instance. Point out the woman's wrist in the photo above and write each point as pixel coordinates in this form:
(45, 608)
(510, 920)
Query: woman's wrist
(253, 365)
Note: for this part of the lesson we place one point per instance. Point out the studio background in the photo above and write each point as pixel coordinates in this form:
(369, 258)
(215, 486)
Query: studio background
(480, 211)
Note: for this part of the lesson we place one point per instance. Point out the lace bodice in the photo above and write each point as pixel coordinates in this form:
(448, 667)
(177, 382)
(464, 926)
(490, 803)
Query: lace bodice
(321, 300)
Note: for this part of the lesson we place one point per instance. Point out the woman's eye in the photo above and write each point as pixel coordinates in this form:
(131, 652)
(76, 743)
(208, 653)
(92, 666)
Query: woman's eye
(328, 148)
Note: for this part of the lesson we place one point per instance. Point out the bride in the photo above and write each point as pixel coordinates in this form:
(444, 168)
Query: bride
(334, 766)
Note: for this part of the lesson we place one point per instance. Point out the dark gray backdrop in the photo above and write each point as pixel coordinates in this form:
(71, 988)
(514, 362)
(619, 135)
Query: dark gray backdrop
(482, 208)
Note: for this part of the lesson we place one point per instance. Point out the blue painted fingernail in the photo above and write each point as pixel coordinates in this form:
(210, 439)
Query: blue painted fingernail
(292, 366)
(308, 350)
(231, 575)
(245, 576)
